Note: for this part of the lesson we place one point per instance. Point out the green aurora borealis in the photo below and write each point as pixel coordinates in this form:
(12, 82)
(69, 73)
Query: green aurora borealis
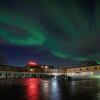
(67, 30)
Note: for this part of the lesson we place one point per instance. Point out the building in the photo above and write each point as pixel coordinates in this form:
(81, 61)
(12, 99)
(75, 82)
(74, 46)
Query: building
(7, 71)
(86, 72)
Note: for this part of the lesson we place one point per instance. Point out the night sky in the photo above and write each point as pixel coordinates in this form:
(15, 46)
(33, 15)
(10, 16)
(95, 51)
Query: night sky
(55, 32)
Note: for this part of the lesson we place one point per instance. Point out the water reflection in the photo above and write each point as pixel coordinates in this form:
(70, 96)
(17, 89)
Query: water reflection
(50, 89)
(32, 88)
(73, 87)
(55, 90)
(84, 90)
(45, 89)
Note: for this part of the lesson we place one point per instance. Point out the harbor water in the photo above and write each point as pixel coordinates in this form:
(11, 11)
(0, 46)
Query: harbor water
(49, 89)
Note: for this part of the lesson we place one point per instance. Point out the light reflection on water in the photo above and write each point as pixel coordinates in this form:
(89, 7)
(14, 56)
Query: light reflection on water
(45, 85)
(55, 90)
(32, 88)
(49, 89)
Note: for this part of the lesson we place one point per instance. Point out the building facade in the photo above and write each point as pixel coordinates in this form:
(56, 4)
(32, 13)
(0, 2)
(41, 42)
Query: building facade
(84, 72)
(7, 71)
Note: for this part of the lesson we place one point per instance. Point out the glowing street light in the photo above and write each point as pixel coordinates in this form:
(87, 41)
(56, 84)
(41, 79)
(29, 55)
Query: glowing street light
(31, 70)
(46, 67)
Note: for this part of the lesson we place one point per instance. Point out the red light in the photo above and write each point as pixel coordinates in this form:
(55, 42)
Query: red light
(32, 89)
(32, 63)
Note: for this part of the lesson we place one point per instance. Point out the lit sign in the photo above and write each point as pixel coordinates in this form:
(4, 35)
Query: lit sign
(32, 63)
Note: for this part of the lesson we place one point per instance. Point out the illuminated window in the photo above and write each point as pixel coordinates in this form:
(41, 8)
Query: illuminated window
(46, 67)
(31, 69)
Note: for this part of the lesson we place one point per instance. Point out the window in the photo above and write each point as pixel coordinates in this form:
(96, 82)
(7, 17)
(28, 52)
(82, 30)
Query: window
(95, 67)
(68, 70)
(28, 74)
(87, 68)
(9, 74)
(22, 74)
(0, 74)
